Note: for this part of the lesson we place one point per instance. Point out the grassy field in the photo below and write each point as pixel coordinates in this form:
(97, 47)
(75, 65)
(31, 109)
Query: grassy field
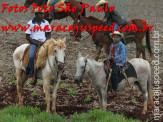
(15, 113)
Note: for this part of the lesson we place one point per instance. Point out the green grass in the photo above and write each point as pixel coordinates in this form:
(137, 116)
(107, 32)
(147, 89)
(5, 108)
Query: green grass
(15, 113)
(34, 94)
(99, 116)
(27, 114)
(72, 92)
(64, 85)
(87, 99)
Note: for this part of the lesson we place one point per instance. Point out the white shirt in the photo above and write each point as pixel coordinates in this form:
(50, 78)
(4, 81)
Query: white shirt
(38, 32)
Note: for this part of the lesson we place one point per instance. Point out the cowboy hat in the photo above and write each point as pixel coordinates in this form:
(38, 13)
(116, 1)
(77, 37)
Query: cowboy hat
(101, 2)
(116, 33)
(38, 11)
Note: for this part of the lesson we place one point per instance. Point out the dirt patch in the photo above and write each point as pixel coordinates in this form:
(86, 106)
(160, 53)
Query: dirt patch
(128, 102)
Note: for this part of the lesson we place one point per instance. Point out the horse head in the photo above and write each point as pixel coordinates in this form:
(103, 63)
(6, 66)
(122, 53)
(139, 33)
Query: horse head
(57, 52)
(39, 2)
(81, 65)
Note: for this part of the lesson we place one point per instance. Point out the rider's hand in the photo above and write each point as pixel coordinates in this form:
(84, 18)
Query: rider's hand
(40, 43)
(112, 57)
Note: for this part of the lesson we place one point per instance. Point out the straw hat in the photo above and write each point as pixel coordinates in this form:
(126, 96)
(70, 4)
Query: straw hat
(116, 33)
(38, 11)
(101, 2)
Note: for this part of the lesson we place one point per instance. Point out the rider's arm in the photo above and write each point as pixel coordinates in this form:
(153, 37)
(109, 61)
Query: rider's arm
(31, 40)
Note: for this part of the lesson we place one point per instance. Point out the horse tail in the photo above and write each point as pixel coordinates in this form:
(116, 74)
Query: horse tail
(150, 98)
(148, 42)
(84, 12)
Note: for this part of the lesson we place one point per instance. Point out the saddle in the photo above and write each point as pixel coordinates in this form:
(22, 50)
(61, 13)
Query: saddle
(25, 58)
(125, 72)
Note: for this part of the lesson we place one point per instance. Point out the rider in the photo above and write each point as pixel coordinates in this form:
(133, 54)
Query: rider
(57, 3)
(112, 16)
(117, 55)
(52, 3)
(36, 38)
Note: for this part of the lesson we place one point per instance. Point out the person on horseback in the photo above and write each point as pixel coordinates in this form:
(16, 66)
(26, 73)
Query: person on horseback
(118, 57)
(55, 4)
(113, 16)
(52, 3)
(36, 37)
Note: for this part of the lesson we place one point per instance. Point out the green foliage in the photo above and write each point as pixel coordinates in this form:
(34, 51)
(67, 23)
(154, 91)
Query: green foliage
(34, 94)
(64, 85)
(87, 99)
(72, 92)
(99, 116)
(15, 113)
(133, 99)
(27, 114)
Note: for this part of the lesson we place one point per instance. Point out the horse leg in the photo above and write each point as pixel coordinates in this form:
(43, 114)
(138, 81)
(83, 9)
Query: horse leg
(138, 49)
(150, 98)
(19, 86)
(46, 87)
(100, 98)
(54, 95)
(145, 95)
(24, 78)
(98, 51)
(104, 98)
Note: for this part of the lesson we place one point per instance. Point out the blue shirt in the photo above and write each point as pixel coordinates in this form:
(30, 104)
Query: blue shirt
(120, 53)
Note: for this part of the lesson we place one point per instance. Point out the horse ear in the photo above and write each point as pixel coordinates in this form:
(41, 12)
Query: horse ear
(79, 55)
(64, 39)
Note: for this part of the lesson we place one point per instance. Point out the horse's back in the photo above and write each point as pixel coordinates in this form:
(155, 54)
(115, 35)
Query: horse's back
(142, 67)
(18, 54)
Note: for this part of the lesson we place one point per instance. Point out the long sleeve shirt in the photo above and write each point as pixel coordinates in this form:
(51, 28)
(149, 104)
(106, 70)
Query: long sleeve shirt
(120, 53)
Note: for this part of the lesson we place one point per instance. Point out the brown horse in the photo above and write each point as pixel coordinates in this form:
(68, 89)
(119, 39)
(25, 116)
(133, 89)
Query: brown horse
(103, 40)
(60, 15)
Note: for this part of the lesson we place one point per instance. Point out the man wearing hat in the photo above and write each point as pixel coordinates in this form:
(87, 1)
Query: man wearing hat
(112, 16)
(36, 38)
(117, 55)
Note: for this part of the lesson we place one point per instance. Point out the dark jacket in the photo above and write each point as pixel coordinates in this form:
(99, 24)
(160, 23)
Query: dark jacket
(114, 16)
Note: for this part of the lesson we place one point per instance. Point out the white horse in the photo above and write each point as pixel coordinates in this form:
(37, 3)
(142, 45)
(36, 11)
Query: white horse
(51, 72)
(100, 83)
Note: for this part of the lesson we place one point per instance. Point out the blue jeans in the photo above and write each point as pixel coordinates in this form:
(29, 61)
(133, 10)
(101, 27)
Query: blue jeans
(116, 27)
(32, 52)
(115, 77)
(52, 4)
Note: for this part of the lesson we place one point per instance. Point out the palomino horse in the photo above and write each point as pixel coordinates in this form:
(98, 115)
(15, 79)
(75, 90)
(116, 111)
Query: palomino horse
(100, 83)
(103, 40)
(50, 73)
(63, 14)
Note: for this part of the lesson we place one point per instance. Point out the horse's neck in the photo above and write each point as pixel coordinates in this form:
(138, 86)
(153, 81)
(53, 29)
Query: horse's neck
(86, 22)
(93, 67)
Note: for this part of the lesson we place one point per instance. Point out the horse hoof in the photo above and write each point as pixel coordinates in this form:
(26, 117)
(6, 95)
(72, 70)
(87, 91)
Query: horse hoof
(144, 112)
(20, 104)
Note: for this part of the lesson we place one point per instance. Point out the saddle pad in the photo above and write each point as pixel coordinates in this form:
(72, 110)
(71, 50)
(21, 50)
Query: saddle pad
(25, 57)
(130, 72)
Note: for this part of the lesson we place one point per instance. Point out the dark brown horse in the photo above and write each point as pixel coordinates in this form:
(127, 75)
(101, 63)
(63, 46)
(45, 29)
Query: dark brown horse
(103, 40)
(60, 15)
